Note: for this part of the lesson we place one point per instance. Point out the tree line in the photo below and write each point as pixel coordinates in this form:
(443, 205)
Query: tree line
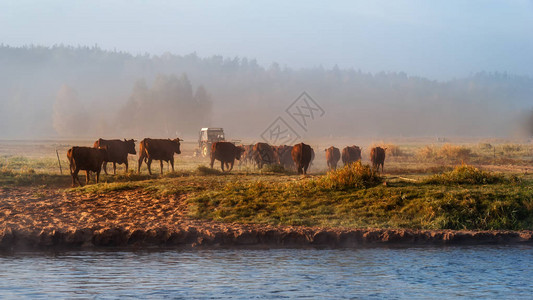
(86, 91)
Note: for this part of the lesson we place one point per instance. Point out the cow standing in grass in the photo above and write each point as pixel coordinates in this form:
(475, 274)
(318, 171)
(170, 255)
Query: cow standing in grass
(351, 154)
(226, 153)
(301, 155)
(88, 159)
(333, 155)
(117, 152)
(283, 154)
(248, 155)
(263, 155)
(377, 156)
(158, 149)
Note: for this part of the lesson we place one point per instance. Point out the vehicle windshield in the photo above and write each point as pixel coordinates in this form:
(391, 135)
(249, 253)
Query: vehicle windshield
(216, 135)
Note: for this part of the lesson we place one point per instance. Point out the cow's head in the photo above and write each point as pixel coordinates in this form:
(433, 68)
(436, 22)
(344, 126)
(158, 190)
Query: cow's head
(130, 145)
(177, 145)
(238, 152)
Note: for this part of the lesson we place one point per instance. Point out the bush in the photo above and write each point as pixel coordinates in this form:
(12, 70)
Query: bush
(466, 174)
(203, 170)
(446, 152)
(427, 152)
(352, 176)
(485, 146)
(511, 148)
(453, 152)
(274, 168)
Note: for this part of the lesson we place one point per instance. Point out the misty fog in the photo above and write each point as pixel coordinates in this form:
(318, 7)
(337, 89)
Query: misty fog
(86, 92)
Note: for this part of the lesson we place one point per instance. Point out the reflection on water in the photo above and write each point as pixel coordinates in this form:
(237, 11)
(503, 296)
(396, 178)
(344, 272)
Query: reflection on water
(481, 272)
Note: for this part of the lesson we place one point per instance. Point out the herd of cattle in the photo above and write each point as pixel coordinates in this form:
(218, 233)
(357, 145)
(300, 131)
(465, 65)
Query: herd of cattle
(299, 156)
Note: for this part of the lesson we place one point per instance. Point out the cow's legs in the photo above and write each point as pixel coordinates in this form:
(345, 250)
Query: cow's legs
(141, 157)
(305, 169)
(75, 177)
(97, 176)
(105, 167)
(88, 176)
(161, 164)
(126, 163)
(222, 165)
(231, 165)
(114, 168)
(149, 163)
(212, 161)
(172, 163)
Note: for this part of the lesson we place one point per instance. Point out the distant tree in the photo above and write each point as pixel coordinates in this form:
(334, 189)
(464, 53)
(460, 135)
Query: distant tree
(69, 116)
(166, 108)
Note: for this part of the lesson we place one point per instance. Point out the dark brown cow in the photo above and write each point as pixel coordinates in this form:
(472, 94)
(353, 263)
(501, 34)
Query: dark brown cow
(85, 158)
(283, 154)
(333, 155)
(158, 149)
(301, 155)
(377, 156)
(263, 154)
(117, 152)
(226, 153)
(351, 154)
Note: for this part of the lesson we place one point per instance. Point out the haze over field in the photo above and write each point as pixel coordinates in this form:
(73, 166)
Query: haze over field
(378, 69)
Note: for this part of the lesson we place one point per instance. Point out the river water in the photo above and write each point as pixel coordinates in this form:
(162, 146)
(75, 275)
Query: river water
(485, 272)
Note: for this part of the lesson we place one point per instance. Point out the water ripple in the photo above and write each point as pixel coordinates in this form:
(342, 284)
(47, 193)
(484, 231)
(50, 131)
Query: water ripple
(414, 273)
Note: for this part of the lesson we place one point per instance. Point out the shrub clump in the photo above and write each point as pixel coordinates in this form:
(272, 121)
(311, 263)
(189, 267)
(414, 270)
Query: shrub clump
(203, 170)
(446, 152)
(274, 168)
(352, 176)
(466, 174)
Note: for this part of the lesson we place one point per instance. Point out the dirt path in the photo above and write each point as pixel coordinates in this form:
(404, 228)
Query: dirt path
(33, 218)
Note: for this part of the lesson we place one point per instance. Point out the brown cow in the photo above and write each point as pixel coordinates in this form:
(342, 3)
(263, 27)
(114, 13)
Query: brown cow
(263, 154)
(351, 154)
(85, 158)
(377, 156)
(248, 154)
(301, 155)
(158, 149)
(333, 155)
(117, 152)
(226, 153)
(283, 154)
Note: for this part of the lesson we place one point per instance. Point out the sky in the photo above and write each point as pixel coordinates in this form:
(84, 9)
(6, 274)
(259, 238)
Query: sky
(439, 40)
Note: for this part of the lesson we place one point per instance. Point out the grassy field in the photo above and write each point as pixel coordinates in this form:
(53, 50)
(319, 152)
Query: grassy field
(478, 185)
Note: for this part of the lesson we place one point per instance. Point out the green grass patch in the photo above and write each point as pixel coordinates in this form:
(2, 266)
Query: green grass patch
(352, 176)
(103, 188)
(466, 174)
(30, 177)
(500, 205)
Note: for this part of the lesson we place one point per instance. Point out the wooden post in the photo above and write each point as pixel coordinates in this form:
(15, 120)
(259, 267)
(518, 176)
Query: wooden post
(59, 162)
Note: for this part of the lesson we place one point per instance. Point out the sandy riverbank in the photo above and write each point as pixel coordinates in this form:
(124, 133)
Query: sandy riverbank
(33, 218)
